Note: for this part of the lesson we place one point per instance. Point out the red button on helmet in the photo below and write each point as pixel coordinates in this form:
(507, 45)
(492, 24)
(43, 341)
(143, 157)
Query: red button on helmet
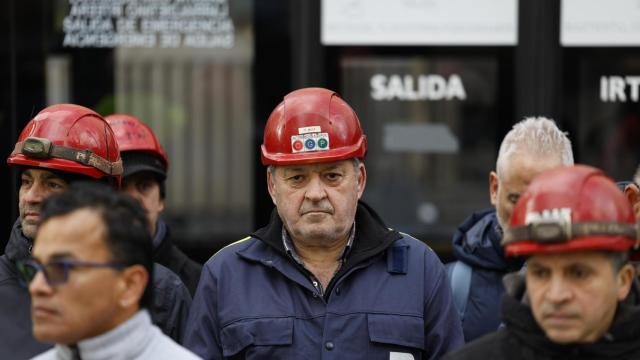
(134, 135)
(69, 138)
(312, 125)
(571, 208)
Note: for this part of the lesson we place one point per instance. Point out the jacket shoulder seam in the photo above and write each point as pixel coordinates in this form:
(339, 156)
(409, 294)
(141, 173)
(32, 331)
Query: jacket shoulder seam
(229, 246)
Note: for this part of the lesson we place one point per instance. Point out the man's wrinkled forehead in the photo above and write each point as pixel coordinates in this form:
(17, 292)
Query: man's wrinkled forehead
(569, 259)
(319, 167)
(42, 174)
(73, 230)
(521, 163)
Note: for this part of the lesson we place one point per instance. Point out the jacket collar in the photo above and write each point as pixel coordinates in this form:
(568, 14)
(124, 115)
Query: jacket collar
(128, 340)
(477, 242)
(19, 246)
(160, 235)
(372, 236)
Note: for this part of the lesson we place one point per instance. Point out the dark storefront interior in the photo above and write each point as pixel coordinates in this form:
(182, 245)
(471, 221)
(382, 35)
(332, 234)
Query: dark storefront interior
(428, 160)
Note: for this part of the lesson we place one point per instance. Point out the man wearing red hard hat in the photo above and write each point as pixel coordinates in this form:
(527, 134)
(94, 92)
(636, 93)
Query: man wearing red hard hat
(145, 166)
(578, 298)
(326, 278)
(62, 144)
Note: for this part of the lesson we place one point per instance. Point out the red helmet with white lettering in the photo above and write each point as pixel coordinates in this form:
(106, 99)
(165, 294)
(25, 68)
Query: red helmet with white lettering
(312, 125)
(571, 208)
(69, 138)
(135, 139)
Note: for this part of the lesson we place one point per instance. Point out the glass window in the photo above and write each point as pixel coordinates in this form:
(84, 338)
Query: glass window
(431, 124)
(603, 91)
(183, 67)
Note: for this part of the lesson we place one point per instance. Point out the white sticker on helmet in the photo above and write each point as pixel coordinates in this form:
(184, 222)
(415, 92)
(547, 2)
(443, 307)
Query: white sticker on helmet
(309, 129)
(562, 215)
(310, 142)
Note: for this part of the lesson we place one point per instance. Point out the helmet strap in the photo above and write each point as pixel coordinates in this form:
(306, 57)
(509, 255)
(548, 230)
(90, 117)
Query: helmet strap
(560, 232)
(41, 148)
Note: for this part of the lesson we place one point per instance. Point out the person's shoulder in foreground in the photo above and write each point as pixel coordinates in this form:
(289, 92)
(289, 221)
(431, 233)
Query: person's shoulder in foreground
(90, 278)
(147, 340)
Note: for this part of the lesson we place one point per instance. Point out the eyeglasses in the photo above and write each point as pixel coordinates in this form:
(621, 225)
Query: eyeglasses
(56, 272)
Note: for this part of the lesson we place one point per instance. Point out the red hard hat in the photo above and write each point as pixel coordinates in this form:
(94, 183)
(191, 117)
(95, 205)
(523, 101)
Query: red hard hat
(134, 135)
(69, 138)
(571, 208)
(312, 125)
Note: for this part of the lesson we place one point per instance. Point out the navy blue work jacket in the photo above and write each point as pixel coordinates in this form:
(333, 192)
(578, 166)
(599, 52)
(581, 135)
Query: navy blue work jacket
(477, 242)
(390, 300)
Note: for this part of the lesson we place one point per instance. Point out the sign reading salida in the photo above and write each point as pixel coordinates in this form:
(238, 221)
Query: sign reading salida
(416, 88)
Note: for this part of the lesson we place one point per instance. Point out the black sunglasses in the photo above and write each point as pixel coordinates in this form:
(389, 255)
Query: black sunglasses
(56, 272)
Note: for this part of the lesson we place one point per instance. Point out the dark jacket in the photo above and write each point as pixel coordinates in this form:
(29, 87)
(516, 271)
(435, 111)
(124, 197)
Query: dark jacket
(15, 303)
(476, 242)
(167, 254)
(171, 302)
(523, 339)
(390, 296)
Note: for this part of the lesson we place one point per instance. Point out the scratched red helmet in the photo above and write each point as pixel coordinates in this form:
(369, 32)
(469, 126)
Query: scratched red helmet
(571, 208)
(139, 146)
(312, 125)
(69, 138)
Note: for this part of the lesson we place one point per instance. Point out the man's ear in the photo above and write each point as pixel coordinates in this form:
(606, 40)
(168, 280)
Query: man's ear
(632, 192)
(493, 187)
(271, 185)
(362, 179)
(626, 275)
(134, 282)
(161, 205)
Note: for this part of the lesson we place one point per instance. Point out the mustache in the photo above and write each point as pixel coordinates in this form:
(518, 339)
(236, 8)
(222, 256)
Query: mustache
(305, 209)
(552, 311)
(30, 208)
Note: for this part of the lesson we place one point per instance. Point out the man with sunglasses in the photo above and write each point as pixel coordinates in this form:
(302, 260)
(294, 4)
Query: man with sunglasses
(61, 145)
(89, 279)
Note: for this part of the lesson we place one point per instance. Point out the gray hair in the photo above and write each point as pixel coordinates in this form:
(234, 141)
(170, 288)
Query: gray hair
(618, 259)
(636, 176)
(539, 137)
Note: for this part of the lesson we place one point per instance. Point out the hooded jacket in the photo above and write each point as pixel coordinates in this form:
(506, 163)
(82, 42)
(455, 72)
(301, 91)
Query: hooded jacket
(15, 302)
(522, 338)
(477, 243)
(389, 300)
(171, 301)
